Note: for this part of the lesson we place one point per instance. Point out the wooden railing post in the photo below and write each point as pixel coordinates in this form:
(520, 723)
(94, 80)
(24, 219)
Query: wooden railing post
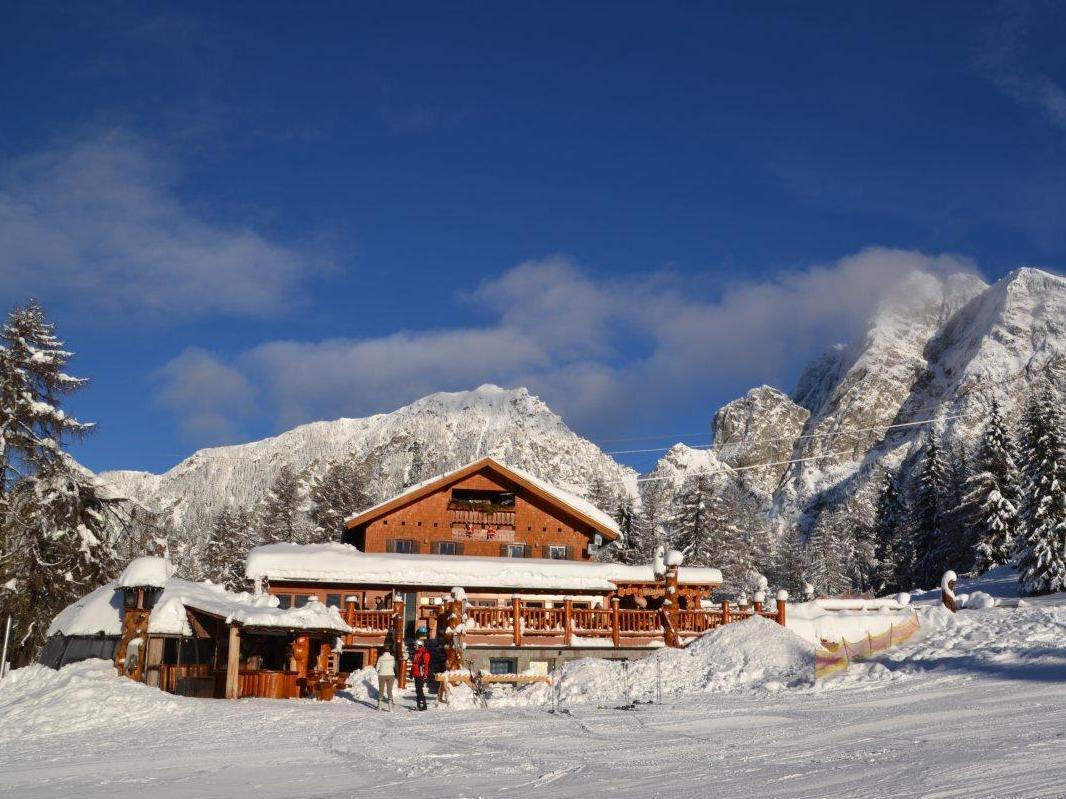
(782, 602)
(725, 611)
(401, 649)
(568, 615)
(516, 619)
(233, 664)
(615, 631)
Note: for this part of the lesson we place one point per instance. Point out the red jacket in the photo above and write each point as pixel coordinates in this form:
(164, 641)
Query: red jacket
(420, 667)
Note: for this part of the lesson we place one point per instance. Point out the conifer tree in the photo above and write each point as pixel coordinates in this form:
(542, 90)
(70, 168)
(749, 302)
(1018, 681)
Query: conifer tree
(282, 514)
(59, 530)
(1042, 555)
(993, 495)
(691, 522)
(888, 533)
(227, 546)
(336, 494)
(927, 517)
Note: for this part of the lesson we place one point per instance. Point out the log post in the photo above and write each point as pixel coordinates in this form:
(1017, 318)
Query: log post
(401, 649)
(725, 611)
(615, 629)
(349, 611)
(947, 590)
(233, 664)
(782, 603)
(516, 618)
(568, 617)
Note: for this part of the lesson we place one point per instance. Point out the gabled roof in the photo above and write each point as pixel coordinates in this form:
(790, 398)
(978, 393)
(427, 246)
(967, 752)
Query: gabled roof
(576, 506)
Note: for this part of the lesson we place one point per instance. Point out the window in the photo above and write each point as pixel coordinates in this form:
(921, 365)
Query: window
(284, 601)
(503, 666)
(299, 600)
(403, 546)
(483, 603)
(333, 600)
(449, 548)
(514, 550)
(557, 553)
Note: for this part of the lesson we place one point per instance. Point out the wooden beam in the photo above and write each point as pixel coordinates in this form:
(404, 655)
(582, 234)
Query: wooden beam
(233, 663)
(615, 628)
(568, 614)
(516, 613)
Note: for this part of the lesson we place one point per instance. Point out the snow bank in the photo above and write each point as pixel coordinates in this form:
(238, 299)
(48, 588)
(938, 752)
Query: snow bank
(37, 701)
(813, 622)
(756, 654)
(342, 563)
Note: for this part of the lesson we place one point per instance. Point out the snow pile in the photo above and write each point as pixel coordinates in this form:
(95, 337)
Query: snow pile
(146, 571)
(814, 622)
(756, 654)
(363, 685)
(38, 701)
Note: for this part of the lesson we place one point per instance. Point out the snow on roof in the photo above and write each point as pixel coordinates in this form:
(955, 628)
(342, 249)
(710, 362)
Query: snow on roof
(341, 563)
(146, 571)
(249, 610)
(96, 612)
(579, 504)
(101, 611)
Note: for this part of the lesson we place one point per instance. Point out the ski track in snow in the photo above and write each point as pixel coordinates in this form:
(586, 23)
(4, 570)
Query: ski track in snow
(976, 707)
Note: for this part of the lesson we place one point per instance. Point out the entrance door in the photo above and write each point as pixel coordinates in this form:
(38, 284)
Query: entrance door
(410, 613)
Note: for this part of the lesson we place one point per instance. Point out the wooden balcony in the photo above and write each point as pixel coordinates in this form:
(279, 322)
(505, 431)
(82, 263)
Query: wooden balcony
(489, 517)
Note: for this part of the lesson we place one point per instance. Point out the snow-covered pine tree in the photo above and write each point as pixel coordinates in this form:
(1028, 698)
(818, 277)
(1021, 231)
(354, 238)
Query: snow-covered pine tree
(33, 382)
(1042, 555)
(789, 563)
(828, 559)
(993, 495)
(227, 546)
(337, 493)
(888, 532)
(282, 514)
(927, 517)
(691, 523)
(59, 529)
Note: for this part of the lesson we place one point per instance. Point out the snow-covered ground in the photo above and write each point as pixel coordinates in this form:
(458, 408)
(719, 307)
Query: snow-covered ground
(975, 706)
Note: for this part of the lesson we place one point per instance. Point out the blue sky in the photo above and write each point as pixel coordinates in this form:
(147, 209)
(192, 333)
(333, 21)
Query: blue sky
(248, 215)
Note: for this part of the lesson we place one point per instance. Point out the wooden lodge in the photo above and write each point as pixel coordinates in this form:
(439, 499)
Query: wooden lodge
(521, 552)
(198, 639)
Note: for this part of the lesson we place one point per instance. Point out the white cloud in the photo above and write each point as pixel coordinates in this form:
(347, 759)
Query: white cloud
(596, 350)
(99, 222)
(210, 398)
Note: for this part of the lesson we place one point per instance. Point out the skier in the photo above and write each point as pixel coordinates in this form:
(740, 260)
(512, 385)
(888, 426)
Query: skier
(420, 669)
(386, 676)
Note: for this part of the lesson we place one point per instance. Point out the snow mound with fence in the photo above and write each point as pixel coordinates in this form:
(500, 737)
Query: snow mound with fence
(753, 655)
(37, 701)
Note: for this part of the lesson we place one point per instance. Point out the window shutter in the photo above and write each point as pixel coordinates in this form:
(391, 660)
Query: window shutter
(415, 548)
(390, 545)
(527, 551)
(569, 553)
(459, 548)
(503, 550)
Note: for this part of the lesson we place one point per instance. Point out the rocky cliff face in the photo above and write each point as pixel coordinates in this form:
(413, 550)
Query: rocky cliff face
(935, 349)
(760, 427)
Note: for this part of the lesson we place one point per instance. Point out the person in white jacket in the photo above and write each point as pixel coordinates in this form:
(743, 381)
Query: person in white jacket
(386, 676)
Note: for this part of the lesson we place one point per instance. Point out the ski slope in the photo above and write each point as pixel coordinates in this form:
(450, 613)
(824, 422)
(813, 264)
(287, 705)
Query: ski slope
(973, 707)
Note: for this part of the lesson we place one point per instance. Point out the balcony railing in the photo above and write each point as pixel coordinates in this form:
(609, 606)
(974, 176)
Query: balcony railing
(482, 518)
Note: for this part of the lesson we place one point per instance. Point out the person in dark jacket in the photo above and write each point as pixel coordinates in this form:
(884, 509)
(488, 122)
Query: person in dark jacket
(420, 670)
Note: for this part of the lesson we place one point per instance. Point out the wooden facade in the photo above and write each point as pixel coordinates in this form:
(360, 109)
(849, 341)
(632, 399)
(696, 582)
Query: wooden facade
(483, 509)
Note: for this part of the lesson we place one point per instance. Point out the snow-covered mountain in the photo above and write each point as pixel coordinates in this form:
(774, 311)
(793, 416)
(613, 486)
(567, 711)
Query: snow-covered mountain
(430, 436)
(935, 348)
